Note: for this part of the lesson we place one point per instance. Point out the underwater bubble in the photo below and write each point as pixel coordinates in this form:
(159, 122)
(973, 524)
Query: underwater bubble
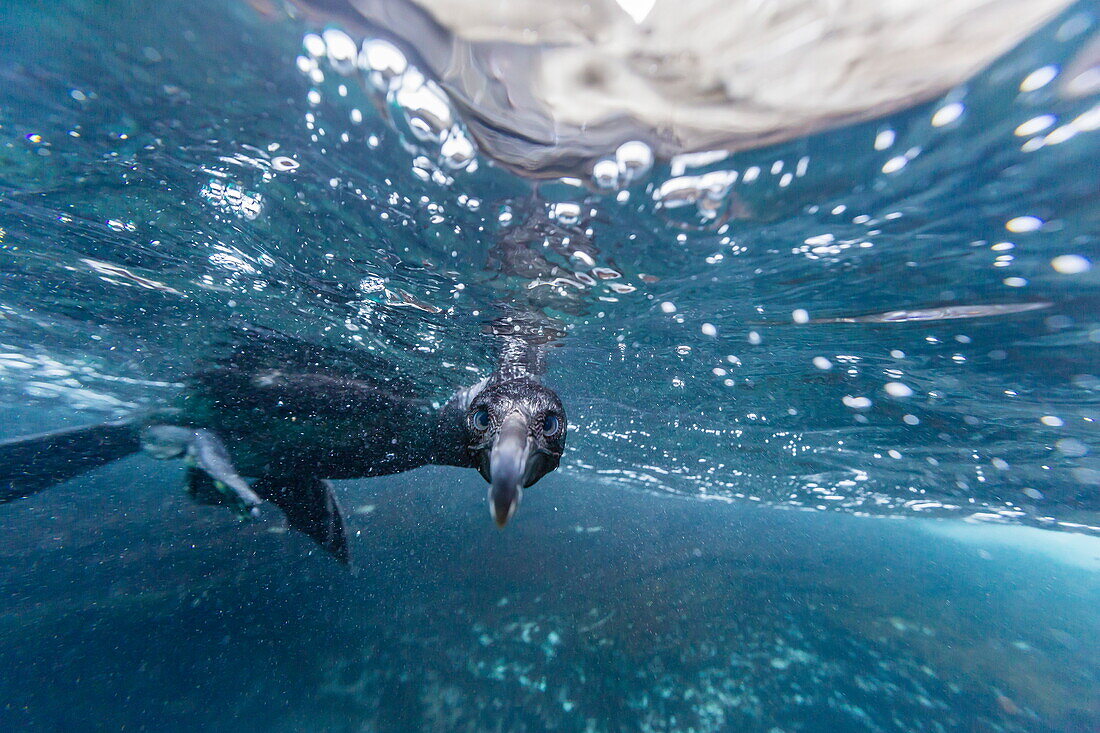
(679, 191)
(1072, 447)
(884, 139)
(567, 213)
(1032, 145)
(1061, 134)
(898, 389)
(1087, 121)
(382, 62)
(856, 403)
(605, 173)
(895, 164)
(1039, 78)
(947, 114)
(284, 164)
(457, 150)
(634, 159)
(425, 106)
(342, 51)
(1035, 125)
(1052, 421)
(314, 45)
(1021, 224)
(682, 162)
(1070, 264)
(1088, 476)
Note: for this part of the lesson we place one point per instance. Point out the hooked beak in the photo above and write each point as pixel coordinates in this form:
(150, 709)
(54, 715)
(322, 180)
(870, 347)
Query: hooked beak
(508, 467)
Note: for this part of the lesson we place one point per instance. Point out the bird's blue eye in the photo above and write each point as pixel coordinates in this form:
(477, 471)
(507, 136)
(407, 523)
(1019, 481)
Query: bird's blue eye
(550, 425)
(481, 419)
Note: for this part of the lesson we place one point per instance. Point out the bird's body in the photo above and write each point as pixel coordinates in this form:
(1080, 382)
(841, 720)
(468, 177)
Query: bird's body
(291, 415)
(276, 421)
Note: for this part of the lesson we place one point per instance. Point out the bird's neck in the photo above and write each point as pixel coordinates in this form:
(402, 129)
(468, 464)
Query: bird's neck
(518, 358)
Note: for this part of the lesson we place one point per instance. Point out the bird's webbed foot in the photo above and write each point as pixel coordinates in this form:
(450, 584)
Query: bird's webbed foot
(211, 477)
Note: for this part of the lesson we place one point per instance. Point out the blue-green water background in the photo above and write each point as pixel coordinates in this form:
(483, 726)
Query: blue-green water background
(700, 561)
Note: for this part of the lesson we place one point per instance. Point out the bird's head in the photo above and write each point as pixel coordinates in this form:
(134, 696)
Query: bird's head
(516, 436)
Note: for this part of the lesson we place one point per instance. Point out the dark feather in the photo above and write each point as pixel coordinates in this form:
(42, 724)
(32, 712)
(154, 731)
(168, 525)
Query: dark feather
(311, 508)
(36, 462)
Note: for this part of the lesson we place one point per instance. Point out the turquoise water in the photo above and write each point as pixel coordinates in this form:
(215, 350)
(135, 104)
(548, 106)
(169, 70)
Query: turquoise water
(832, 461)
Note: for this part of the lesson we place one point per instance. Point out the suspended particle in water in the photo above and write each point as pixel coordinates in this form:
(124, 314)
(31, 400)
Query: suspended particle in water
(1071, 447)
